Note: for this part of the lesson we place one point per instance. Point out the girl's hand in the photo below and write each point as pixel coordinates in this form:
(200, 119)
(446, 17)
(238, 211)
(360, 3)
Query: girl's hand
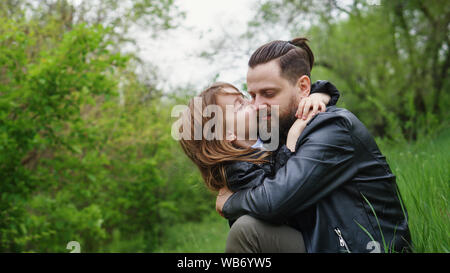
(222, 197)
(313, 104)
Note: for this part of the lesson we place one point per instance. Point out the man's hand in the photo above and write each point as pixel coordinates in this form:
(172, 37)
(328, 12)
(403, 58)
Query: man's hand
(222, 197)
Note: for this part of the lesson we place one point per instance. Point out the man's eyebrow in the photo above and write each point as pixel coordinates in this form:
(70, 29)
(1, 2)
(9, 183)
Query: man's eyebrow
(265, 89)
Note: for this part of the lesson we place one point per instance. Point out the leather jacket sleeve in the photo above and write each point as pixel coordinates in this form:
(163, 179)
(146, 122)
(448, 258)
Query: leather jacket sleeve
(242, 174)
(322, 162)
(327, 88)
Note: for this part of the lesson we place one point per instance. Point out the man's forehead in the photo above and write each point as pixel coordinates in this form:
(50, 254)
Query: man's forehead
(263, 77)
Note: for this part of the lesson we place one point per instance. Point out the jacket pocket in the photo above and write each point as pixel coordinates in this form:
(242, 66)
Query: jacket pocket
(342, 243)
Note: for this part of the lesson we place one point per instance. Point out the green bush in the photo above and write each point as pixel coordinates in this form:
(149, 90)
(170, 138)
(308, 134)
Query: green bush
(77, 163)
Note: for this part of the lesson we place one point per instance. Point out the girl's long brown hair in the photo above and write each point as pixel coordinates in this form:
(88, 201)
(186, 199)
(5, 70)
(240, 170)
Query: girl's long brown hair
(211, 156)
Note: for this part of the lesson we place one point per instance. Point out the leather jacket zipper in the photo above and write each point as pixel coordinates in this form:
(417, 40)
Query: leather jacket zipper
(342, 242)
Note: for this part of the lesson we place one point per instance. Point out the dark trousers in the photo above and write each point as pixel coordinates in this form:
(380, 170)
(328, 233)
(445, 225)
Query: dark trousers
(251, 235)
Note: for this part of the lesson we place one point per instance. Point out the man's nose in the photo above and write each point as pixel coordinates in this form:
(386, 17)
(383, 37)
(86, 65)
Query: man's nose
(261, 107)
(259, 102)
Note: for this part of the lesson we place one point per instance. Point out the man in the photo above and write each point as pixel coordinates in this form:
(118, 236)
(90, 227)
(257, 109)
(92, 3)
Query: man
(336, 188)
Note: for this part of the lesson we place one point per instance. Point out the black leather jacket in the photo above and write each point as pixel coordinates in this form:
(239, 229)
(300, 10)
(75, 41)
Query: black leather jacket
(337, 189)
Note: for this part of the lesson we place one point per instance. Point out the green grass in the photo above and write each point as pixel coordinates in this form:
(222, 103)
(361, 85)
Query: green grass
(422, 170)
(207, 236)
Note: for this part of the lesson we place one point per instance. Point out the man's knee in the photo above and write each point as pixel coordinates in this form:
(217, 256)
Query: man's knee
(244, 221)
(251, 235)
(243, 235)
(244, 226)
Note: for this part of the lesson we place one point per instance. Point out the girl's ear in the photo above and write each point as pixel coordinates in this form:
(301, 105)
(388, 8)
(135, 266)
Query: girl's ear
(230, 136)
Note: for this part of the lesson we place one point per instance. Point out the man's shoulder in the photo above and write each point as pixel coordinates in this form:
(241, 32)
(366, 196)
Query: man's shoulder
(333, 116)
(333, 128)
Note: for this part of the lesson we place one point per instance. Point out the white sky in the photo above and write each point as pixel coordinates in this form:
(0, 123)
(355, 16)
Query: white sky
(175, 52)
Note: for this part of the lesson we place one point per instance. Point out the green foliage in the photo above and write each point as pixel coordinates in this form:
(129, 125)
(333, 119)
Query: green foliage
(422, 176)
(86, 150)
(42, 92)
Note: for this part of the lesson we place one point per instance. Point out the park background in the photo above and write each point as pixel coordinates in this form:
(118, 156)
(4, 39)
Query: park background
(87, 88)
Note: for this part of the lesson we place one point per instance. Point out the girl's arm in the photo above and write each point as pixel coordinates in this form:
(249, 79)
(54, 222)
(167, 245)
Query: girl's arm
(307, 108)
(295, 132)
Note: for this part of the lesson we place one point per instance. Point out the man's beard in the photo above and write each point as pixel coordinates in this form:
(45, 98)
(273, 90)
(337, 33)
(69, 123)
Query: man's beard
(285, 120)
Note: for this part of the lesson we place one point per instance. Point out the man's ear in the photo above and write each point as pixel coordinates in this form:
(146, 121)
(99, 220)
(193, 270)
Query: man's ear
(230, 136)
(304, 86)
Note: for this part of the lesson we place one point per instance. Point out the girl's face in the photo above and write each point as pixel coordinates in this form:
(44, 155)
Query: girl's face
(240, 115)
